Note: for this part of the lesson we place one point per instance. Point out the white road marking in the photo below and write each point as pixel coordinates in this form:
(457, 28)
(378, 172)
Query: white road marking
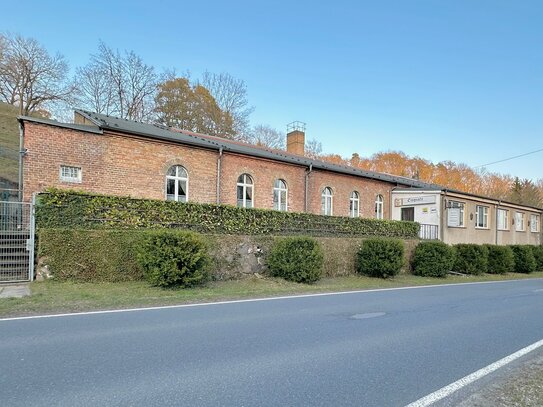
(285, 297)
(451, 388)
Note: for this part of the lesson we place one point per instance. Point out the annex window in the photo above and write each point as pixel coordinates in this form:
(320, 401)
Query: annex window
(70, 174)
(354, 205)
(503, 219)
(379, 207)
(326, 201)
(245, 191)
(177, 183)
(280, 193)
(481, 217)
(534, 223)
(519, 222)
(455, 214)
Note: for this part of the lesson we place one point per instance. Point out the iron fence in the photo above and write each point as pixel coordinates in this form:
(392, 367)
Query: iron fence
(16, 241)
(429, 232)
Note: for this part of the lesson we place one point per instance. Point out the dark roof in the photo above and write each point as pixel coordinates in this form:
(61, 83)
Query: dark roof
(79, 127)
(159, 132)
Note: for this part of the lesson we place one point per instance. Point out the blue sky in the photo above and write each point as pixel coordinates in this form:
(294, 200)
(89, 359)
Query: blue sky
(456, 80)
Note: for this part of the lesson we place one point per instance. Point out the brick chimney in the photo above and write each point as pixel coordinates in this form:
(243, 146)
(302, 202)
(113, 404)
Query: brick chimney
(296, 138)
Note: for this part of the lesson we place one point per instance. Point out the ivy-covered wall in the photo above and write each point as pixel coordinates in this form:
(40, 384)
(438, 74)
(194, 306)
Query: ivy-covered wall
(75, 210)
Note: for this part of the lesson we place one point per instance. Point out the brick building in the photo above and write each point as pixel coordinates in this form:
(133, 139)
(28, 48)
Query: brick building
(108, 155)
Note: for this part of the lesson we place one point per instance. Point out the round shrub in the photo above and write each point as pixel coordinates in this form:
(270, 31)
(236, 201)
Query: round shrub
(471, 258)
(380, 257)
(538, 255)
(297, 259)
(432, 259)
(500, 259)
(524, 259)
(173, 258)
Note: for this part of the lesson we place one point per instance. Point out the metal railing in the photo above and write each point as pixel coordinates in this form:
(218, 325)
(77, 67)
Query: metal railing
(429, 232)
(16, 241)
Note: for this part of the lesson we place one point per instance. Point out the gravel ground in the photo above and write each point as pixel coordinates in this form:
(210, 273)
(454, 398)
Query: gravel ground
(523, 387)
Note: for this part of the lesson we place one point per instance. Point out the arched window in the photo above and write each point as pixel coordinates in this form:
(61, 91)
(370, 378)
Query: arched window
(326, 203)
(354, 205)
(177, 183)
(245, 191)
(280, 193)
(379, 207)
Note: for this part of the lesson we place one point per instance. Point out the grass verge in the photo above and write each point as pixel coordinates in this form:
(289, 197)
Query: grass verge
(56, 297)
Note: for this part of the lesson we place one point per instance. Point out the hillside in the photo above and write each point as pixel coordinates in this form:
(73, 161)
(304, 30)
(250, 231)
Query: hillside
(9, 143)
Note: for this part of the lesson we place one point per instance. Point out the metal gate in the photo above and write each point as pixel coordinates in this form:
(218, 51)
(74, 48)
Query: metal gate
(16, 241)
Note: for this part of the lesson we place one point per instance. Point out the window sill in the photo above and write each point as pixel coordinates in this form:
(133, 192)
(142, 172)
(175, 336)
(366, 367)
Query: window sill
(480, 228)
(456, 227)
(504, 230)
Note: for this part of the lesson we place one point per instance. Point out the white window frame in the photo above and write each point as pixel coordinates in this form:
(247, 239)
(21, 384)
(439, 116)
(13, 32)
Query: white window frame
(534, 223)
(245, 184)
(177, 178)
(327, 201)
(280, 189)
(520, 221)
(77, 179)
(354, 204)
(461, 206)
(379, 207)
(481, 223)
(502, 222)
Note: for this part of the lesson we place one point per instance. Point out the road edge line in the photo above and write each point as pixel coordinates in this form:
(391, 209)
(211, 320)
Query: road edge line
(466, 380)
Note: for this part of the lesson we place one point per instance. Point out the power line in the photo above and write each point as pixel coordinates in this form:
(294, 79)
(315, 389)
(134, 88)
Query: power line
(510, 158)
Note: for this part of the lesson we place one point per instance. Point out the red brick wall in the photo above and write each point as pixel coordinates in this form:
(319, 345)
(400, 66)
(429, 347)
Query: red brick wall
(117, 164)
(113, 164)
(342, 186)
(264, 174)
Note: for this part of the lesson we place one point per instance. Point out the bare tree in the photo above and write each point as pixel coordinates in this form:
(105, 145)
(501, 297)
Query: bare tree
(313, 149)
(231, 96)
(266, 136)
(118, 84)
(30, 78)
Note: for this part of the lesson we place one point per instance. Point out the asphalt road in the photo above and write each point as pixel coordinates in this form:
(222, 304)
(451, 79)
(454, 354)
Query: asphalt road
(380, 348)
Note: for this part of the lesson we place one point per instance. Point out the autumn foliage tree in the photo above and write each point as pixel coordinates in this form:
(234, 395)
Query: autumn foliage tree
(191, 107)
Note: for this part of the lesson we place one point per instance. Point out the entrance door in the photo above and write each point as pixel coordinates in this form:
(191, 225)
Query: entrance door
(408, 214)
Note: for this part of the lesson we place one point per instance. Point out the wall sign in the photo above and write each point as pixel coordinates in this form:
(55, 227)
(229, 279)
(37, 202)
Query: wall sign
(417, 200)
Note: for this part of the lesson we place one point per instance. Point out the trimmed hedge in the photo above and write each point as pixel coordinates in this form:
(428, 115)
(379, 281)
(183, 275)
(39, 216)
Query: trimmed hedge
(173, 258)
(538, 255)
(298, 259)
(432, 259)
(524, 259)
(500, 259)
(471, 258)
(69, 209)
(379, 257)
(91, 255)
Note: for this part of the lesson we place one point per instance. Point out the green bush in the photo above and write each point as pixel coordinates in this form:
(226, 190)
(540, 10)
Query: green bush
(380, 257)
(524, 259)
(432, 259)
(70, 209)
(471, 258)
(173, 258)
(298, 259)
(538, 255)
(500, 259)
(90, 255)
